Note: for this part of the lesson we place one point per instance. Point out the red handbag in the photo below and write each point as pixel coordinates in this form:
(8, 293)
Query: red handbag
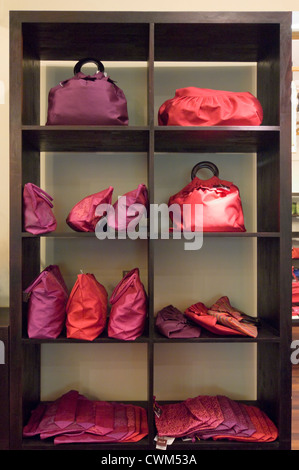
(295, 287)
(37, 207)
(87, 100)
(129, 208)
(128, 308)
(295, 252)
(83, 216)
(86, 308)
(193, 106)
(220, 201)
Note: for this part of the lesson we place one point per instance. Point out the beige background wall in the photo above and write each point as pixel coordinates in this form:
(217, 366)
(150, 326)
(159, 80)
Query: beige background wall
(98, 369)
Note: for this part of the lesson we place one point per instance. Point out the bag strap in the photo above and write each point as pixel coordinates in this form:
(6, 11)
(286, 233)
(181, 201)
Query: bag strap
(211, 166)
(87, 60)
(42, 194)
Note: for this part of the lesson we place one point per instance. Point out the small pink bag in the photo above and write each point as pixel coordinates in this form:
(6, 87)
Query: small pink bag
(129, 207)
(37, 209)
(129, 307)
(48, 296)
(83, 218)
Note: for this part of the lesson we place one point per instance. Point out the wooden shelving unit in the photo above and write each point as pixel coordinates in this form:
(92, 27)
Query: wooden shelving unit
(152, 37)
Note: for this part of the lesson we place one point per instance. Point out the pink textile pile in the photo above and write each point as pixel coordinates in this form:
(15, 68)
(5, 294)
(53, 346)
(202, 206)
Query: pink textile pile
(75, 418)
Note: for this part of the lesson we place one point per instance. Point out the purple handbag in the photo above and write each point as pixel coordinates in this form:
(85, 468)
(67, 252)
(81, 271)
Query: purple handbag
(37, 209)
(171, 323)
(87, 100)
(47, 296)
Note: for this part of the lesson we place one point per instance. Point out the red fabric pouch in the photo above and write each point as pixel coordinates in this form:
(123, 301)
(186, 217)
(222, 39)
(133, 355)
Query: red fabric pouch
(220, 200)
(86, 308)
(295, 252)
(37, 209)
(193, 106)
(47, 298)
(83, 217)
(128, 308)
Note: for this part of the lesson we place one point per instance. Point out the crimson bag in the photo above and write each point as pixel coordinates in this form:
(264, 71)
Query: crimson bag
(86, 308)
(37, 210)
(48, 297)
(83, 217)
(193, 106)
(87, 100)
(128, 308)
(220, 200)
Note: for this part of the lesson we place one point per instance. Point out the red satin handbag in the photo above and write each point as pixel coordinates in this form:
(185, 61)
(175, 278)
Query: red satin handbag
(128, 308)
(193, 106)
(295, 252)
(86, 308)
(129, 208)
(83, 216)
(220, 200)
(47, 299)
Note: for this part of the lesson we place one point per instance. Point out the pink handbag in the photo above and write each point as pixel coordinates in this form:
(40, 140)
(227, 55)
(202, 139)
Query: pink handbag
(82, 217)
(37, 209)
(87, 100)
(129, 308)
(128, 208)
(48, 296)
(86, 308)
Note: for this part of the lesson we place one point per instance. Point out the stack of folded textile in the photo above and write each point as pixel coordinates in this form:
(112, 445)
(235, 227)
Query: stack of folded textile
(216, 417)
(223, 319)
(75, 418)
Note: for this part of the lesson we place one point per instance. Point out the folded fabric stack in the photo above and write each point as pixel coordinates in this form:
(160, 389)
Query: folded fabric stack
(222, 318)
(172, 323)
(214, 417)
(75, 418)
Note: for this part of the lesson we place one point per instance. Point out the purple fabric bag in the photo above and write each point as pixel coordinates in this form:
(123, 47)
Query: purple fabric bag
(48, 296)
(171, 323)
(37, 209)
(87, 100)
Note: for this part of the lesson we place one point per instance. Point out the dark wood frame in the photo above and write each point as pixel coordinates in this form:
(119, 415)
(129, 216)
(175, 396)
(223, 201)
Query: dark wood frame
(149, 36)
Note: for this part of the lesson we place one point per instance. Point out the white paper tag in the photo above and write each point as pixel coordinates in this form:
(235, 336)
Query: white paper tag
(163, 441)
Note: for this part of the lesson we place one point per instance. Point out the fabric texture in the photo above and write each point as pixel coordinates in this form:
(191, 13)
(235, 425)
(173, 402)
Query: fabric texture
(172, 323)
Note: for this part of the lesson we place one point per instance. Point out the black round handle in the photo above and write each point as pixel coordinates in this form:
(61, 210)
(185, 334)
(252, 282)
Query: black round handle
(211, 166)
(82, 62)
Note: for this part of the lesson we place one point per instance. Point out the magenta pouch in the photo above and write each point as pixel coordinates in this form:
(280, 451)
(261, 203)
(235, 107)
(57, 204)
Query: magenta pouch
(37, 210)
(47, 297)
(128, 308)
(129, 209)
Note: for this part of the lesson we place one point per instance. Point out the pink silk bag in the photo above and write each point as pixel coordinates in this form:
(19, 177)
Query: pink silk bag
(48, 297)
(87, 100)
(129, 308)
(37, 209)
(83, 217)
(220, 201)
(128, 208)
